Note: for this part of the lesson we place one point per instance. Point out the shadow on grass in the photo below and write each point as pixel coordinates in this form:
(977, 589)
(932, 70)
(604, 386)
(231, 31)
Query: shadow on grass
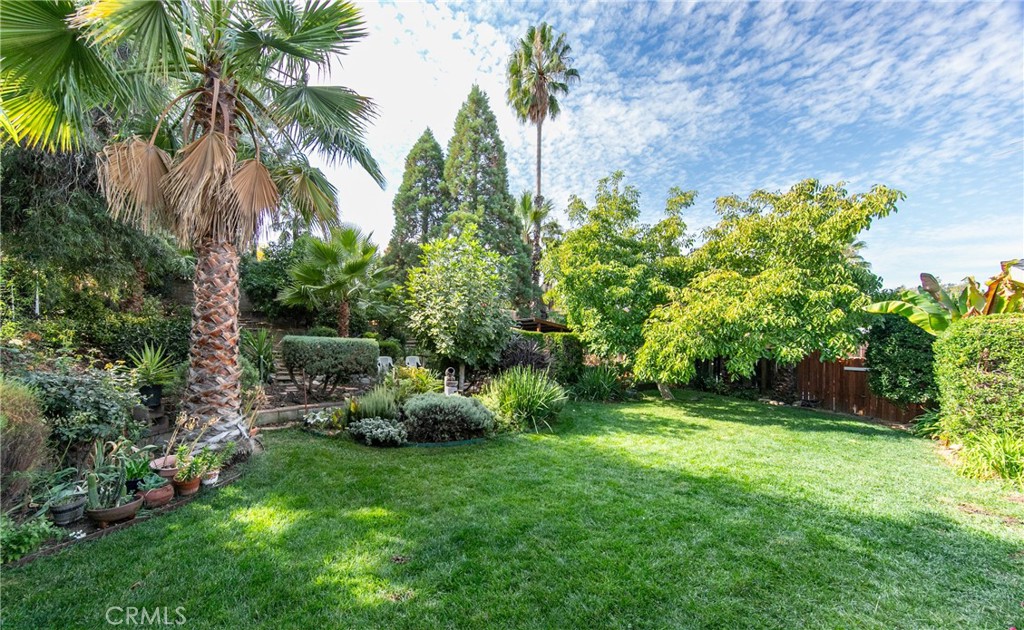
(547, 533)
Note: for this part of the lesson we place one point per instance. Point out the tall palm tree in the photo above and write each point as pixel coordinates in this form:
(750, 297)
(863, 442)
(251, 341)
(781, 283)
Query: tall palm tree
(343, 270)
(533, 217)
(219, 90)
(539, 70)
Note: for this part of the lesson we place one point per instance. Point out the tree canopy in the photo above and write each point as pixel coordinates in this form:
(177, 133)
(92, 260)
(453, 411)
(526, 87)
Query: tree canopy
(457, 300)
(421, 205)
(611, 270)
(772, 279)
(477, 177)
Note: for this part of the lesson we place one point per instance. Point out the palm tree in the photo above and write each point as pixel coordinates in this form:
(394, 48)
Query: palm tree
(344, 270)
(219, 91)
(533, 217)
(539, 70)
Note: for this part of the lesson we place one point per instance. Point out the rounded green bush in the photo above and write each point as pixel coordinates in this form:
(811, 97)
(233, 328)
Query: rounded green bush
(979, 370)
(440, 418)
(524, 398)
(391, 348)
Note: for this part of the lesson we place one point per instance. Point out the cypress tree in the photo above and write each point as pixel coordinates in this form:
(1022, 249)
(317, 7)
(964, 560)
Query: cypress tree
(477, 179)
(421, 206)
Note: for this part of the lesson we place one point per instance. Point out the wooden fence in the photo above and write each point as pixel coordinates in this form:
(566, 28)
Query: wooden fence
(843, 386)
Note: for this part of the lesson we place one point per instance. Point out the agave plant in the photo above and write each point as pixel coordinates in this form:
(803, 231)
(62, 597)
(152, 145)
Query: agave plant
(933, 309)
(217, 112)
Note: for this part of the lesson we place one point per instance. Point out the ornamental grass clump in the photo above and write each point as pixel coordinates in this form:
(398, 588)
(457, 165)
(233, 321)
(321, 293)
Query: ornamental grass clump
(379, 402)
(524, 398)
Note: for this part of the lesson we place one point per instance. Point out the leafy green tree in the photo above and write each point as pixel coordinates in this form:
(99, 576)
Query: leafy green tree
(477, 180)
(610, 271)
(205, 82)
(343, 270)
(457, 301)
(421, 206)
(772, 280)
(539, 70)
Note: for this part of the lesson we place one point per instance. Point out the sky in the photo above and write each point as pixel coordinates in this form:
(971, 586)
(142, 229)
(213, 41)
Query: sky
(726, 98)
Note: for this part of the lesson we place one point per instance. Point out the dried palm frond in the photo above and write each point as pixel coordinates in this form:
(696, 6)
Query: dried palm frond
(129, 176)
(254, 194)
(198, 187)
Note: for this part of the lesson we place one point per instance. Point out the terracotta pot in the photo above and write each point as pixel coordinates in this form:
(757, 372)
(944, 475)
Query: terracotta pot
(165, 466)
(186, 488)
(158, 496)
(69, 512)
(105, 516)
(211, 477)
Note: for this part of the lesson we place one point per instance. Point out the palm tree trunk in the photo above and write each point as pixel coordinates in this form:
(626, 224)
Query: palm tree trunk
(538, 199)
(343, 317)
(214, 390)
(535, 300)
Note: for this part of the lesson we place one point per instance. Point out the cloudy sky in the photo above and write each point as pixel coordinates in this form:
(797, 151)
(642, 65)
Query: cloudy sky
(725, 98)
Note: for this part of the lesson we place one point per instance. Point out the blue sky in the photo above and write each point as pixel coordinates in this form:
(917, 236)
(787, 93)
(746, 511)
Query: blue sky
(728, 97)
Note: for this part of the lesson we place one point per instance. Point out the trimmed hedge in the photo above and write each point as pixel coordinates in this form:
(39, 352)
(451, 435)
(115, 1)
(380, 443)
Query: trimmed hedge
(979, 370)
(440, 418)
(331, 359)
(901, 360)
(566, 352)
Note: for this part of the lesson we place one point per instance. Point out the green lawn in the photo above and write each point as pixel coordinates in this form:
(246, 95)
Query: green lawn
(707, 512)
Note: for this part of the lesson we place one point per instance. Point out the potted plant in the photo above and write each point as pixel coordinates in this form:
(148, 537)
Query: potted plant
(136, 469)
(166, 465)
(191, 467)
(156, 491)
(214, 460)
(108, 500)
(154, 369)
(65, 497)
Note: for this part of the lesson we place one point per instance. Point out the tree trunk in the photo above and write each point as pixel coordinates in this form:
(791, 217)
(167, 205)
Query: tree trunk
(666, 393)
(343, 316)
(214, 391)
(462, 376)
(535, 301)
(539, 197)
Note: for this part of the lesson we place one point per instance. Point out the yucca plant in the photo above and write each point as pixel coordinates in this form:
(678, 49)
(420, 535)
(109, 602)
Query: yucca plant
(218, 111)
(152, 365)
(524, 398)
(258, 347)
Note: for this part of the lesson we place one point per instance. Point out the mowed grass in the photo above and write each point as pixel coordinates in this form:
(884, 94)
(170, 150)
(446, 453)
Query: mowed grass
(703, 513)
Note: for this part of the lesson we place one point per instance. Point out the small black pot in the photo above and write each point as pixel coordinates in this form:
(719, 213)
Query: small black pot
(132, 485)
(68, 513)
(152, 395)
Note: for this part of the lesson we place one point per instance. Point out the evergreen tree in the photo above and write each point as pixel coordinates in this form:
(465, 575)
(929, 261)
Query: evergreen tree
(477, 181)
(421, 205)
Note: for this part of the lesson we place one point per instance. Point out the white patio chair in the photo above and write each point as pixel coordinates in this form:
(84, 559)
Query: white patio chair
(385, 364)
(413, 362)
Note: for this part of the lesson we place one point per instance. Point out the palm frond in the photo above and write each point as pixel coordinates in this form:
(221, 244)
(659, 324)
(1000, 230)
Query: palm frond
(254, 195)
(198, 187)
(307, 190)
(150, 27)
(130, 175)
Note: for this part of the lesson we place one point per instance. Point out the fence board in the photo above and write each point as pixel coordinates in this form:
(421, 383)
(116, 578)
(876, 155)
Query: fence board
(843, 386)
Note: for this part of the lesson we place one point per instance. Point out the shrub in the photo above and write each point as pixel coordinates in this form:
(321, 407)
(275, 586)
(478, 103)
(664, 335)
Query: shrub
(378, 431)
(405, 382)
(391, 348)
(524, 398)
(901, 361)
(565, 352)
(599, 383)
(88, 405)
(331, 359)
(326, 419)
(23, 436)
(523, 352)
(17, 541)
(979, 370)
(250, 375)
(377, 403)
(258, 347)
(988, 454)
(322, 331)
(262, 276)
(118, 334)
(440, 418)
